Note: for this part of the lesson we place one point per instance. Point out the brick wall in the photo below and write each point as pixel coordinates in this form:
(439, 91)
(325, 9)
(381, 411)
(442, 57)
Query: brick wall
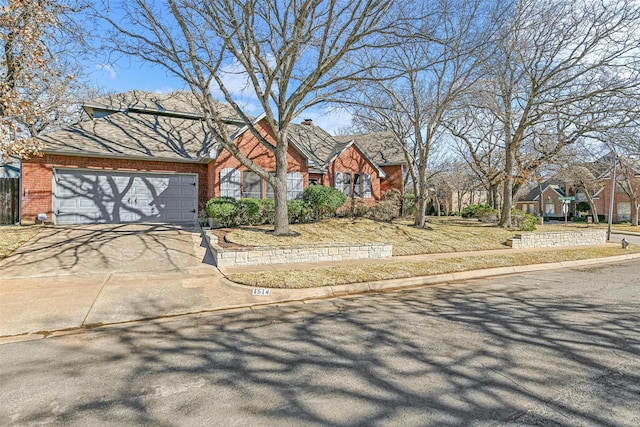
(256, 151)
(353, 161)
(394, 179)
(37, 177)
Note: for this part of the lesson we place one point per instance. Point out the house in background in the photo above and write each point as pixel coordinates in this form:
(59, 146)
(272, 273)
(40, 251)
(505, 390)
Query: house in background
(552, 192)
(145, 157)
(552, 205)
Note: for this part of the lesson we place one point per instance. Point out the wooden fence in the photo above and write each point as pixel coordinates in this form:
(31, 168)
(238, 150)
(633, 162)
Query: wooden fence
(9, 202)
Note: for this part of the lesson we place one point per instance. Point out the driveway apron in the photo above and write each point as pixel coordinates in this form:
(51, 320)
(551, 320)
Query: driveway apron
(68, 277)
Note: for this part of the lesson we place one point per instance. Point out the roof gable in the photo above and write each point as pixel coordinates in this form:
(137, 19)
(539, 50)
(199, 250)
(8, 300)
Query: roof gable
(382, 147)
(364, 155)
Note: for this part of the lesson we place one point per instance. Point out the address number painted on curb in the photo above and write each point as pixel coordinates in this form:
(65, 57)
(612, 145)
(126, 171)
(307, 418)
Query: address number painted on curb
(260, 291)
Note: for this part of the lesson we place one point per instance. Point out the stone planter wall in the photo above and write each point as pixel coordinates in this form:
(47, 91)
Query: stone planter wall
(557, 239)
(225, 257)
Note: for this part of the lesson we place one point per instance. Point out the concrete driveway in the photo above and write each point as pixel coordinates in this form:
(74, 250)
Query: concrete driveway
(68, 277)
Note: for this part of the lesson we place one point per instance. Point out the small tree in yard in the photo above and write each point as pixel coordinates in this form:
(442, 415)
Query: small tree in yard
(290, 55)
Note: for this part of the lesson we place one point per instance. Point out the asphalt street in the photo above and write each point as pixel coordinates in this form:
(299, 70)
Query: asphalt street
(547, 348)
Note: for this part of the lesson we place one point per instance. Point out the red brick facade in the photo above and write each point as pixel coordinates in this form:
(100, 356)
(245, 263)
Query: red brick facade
(352, 161)
(37, 177)
(37, 174)
(394, 179)
(256, 151)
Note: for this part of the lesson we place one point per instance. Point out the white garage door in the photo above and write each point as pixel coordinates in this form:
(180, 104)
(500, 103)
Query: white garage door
(89, 197)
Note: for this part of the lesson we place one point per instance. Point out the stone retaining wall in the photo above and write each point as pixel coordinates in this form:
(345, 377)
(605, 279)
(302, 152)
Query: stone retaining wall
(557, 239)
(225, 257)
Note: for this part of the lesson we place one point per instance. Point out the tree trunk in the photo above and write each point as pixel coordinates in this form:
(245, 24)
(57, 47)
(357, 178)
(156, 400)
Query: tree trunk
(507, 201)
(281, 220)
(421, 199)
(540, 201)
(634, 211)
(592, 207)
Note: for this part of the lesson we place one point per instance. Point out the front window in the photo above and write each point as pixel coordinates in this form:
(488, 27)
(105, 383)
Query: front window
(295, 184)
(357, 185)
(251, 185)
(230, 183)
(550, 209)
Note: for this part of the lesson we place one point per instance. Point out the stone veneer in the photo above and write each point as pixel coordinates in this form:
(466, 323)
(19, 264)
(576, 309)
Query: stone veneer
(225, 257)
(559, 238)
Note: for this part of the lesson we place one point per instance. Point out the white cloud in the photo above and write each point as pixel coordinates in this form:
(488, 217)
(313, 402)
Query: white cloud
(236, 81)
(163, 90)
(111, 72)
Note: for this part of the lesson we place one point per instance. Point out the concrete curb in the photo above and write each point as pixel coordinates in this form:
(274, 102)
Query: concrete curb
(285, 296)
(327, 292)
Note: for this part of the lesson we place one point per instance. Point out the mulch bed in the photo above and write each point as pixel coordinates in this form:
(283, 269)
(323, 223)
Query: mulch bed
(221, 234)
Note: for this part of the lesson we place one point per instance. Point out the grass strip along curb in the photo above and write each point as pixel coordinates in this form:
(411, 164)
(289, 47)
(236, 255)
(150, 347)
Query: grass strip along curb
(359, 273)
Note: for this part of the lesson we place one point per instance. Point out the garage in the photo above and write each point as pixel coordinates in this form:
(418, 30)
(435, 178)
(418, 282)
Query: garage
(113, 197)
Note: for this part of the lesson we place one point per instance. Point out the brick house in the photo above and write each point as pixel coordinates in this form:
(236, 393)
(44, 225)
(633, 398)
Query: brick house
(146, 157)
(552, 205)
(551, 193)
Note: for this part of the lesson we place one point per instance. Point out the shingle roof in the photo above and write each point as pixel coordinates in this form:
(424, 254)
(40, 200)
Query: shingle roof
(382, 147)
(533, 194)
(175, 103)
(133, 135)
(315, 142)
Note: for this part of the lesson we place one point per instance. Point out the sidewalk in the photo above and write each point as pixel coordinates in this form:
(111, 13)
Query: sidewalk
(30, 309)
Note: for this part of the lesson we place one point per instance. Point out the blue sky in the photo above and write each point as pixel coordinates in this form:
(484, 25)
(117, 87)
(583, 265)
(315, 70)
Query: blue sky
(129, 73)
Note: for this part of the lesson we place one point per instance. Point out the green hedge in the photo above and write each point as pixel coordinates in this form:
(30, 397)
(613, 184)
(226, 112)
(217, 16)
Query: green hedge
(229, 212)
(323, 200)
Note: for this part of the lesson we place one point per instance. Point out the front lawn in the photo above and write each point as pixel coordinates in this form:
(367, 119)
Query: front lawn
(11, 237)
(451, 235)
(373, 271)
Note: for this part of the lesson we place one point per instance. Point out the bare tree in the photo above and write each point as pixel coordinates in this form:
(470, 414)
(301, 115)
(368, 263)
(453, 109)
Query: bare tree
(559, 73)
(413, 88)
(586, 179)
(629, 183)
(479, 142)
(293, 55)
(37, 36)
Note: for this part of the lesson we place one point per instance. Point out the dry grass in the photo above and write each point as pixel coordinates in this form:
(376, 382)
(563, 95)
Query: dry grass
(358, 273)
(625, 227)
(445, 236)
(11, 237)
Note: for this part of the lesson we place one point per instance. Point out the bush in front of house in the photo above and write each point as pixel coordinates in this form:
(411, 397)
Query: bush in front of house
(250, 212)
(298, 211)
(384, 210)
(323, 200)
(409, 204)
(229, 212)
(484, 213)
(223, 210)
(268, 211)
(523, 221)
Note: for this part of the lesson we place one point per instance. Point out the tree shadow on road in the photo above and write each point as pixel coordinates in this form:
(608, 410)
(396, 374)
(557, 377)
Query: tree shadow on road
(451, 355)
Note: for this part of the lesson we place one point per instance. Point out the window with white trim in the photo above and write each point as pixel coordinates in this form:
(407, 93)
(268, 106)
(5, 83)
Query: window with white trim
(230, 183)
(357, 186)
(346, 184)
(366, 186)
(337, 181)
(251, 185)
(295, 184)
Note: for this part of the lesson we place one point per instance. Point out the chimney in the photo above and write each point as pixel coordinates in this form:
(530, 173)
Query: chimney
(307, 122)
